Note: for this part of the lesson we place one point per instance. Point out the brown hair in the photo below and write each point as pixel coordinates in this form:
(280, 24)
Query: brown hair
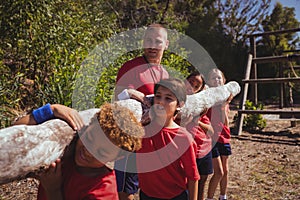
(121, 126)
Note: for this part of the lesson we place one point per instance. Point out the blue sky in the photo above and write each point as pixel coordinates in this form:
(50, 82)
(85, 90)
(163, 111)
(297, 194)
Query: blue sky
(289, 3)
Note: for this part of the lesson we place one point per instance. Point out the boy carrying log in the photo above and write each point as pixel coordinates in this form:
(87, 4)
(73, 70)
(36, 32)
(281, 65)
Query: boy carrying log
(84, 171)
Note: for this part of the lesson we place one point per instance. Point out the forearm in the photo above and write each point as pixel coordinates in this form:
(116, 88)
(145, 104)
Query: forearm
(193, 189)
(206, 127)
(44, 113)
(27, 119)
(225, 118)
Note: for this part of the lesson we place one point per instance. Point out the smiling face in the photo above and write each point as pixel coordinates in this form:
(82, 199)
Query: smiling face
(165, 103)
(216, 78)
(194, 84)
(154, 43)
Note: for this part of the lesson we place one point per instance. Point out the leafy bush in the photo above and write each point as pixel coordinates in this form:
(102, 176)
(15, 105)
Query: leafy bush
(253, 122)
(42, 45)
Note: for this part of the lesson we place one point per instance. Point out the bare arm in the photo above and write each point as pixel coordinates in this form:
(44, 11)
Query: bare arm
(225, 111)
(206, 127)
(193, 189)
(70, 115)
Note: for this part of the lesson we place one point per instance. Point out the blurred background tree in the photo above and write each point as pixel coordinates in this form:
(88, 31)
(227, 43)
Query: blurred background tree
(281, 18)
(43, 44)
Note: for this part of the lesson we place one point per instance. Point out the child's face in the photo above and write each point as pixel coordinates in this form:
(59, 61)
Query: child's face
(165, 103)
(215, 79)
(93, 148)
(194, 84)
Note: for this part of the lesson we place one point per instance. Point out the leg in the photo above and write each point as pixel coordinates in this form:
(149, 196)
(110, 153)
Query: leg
(201, 186)
(224, 180)
(205, 168)
(215, 179)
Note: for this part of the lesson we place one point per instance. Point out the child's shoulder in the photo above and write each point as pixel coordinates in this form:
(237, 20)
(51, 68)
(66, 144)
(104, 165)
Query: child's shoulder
(184, 133)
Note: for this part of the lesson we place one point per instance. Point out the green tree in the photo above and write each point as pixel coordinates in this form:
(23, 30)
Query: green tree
(42, 45)
(281, 18)
(222, 28)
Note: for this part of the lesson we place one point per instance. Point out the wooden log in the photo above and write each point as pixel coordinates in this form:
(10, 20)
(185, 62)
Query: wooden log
(197, 103)
(25, 149)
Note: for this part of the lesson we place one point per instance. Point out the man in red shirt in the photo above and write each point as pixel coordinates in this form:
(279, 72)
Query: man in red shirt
(136, 79)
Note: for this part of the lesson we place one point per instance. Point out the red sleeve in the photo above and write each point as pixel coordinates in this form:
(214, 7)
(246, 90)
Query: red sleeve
(188, 159)
(189, 163)
(204, 119)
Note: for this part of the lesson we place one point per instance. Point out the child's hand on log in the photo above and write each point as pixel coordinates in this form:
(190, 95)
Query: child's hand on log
(71, 116)
(51, 180)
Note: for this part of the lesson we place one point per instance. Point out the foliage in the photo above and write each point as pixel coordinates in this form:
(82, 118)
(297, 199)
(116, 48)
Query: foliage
(47, 46)
(241, 18)
(253, 122)
(222, 28)
(281, 18)
(42, 46)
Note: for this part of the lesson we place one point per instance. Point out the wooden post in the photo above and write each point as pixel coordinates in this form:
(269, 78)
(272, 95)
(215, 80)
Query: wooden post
(245, 92)
(281, 89)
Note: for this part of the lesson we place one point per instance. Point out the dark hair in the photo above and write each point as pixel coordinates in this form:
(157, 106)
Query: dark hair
(176, 86)
(196, 73)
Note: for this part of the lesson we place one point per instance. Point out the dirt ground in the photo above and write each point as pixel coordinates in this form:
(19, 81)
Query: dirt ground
(264, 165)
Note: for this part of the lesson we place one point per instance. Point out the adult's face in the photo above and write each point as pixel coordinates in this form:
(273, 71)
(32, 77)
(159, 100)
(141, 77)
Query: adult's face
(154, 44)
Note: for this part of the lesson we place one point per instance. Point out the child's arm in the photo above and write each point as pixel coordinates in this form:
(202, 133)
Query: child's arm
(224, 113)
(193, 189)
(48, 112)
(225, 110)
(206, 127)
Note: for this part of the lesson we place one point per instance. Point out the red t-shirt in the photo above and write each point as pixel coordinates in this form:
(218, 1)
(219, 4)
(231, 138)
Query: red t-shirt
(77, 186)
(202, 139)
(221, 131)
(165, 162)
(140, 75)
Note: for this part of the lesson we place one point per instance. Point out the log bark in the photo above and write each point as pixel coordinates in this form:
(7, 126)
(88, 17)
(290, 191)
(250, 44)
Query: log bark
(25, 149)
(29, 148)
(205, 99)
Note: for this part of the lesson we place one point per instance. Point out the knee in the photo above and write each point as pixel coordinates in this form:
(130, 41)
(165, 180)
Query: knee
(219, 172)
(225, 171)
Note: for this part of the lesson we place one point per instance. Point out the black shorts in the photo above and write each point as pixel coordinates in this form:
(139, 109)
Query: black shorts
(204, 164)
(126, 181)
(221, 150)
